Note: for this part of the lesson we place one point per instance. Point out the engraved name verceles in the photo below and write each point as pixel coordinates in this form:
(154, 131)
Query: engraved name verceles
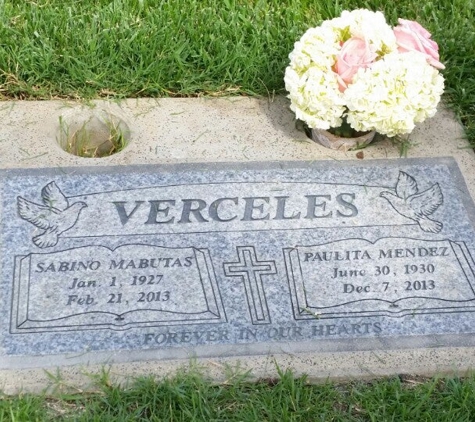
(247, 205)
(222, 210)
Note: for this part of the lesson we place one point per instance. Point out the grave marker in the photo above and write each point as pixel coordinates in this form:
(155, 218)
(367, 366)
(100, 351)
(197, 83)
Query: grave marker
(233, 259)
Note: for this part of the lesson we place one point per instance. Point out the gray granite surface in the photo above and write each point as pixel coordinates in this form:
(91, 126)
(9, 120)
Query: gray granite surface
(232, 259)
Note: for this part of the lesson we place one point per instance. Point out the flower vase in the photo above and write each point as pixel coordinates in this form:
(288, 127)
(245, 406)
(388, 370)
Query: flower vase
(332, 141)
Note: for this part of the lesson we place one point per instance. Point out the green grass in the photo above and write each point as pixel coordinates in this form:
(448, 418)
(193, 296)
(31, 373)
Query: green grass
(189, 397)
(143, 48)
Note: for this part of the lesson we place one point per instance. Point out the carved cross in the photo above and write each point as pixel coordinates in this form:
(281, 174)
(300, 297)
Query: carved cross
(250, 270)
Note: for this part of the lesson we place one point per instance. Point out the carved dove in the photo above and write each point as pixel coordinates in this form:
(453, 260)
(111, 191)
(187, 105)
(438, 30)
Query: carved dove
(55, 216)
(417, 206)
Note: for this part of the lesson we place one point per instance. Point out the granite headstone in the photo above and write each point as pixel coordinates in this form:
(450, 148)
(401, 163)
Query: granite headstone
(231, 259)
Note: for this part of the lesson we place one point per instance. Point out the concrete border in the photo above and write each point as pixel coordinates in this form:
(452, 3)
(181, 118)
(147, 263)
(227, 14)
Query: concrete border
(337, 366)
(203, 130)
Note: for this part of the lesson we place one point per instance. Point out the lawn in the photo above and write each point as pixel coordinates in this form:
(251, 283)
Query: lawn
(189, 397)
(152, 48)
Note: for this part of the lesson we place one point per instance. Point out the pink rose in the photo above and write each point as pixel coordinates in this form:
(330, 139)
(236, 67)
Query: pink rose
(355, 54)
(411, 36)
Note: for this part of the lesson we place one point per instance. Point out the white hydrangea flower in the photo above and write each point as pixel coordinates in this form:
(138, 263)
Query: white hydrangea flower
(315, 97)
(313, 87)
(393, 94)
(318, 46)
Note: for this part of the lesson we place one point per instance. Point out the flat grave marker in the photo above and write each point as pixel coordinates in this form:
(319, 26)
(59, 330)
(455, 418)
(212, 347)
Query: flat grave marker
(234, 259)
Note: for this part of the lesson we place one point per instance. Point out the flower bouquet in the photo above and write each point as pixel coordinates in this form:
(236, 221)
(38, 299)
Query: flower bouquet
(355, 74)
